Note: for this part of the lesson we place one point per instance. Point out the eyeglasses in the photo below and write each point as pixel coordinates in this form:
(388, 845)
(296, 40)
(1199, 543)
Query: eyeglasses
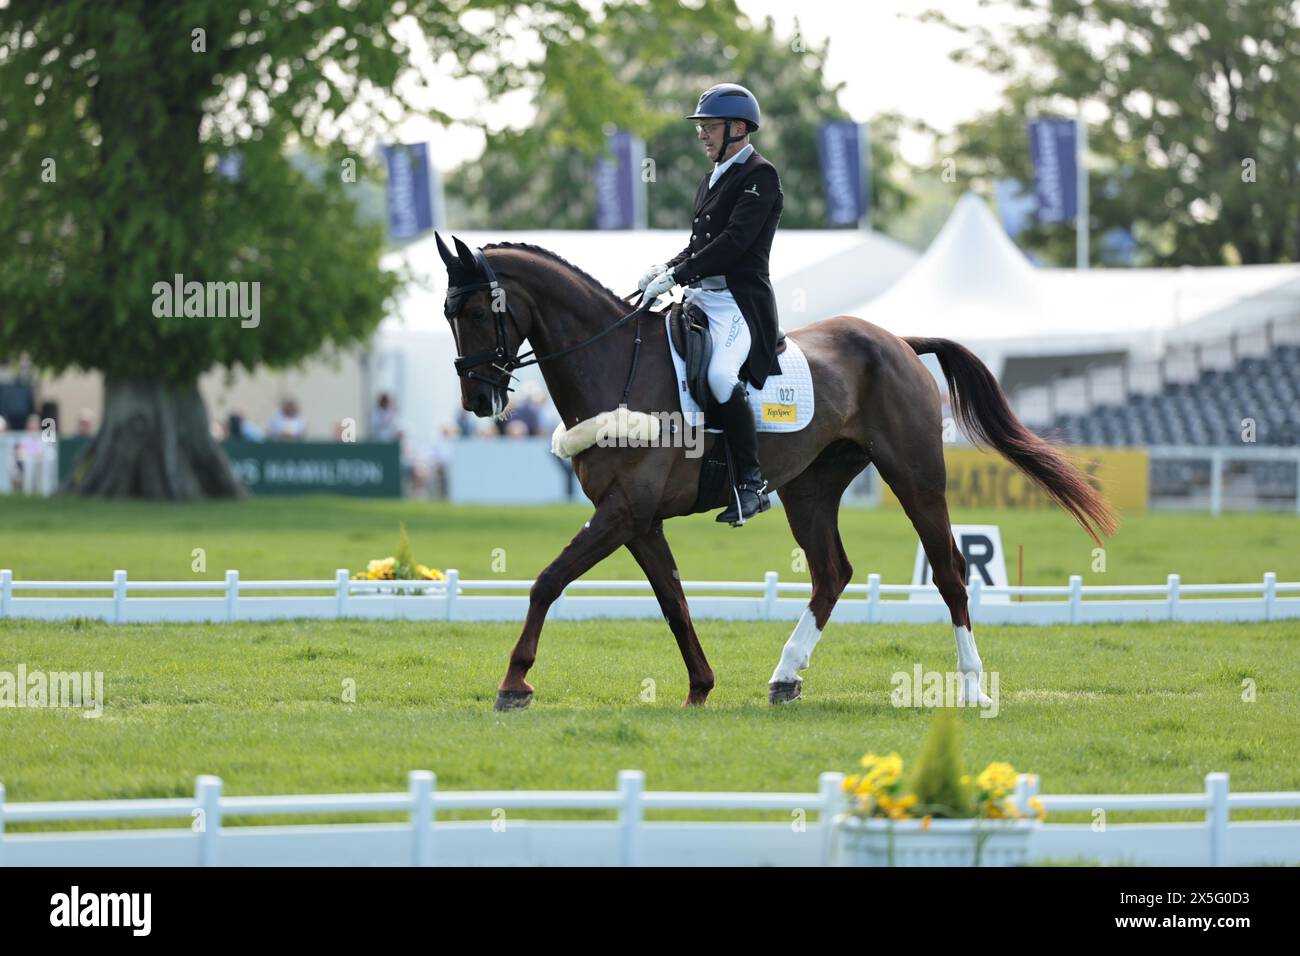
(707, 127)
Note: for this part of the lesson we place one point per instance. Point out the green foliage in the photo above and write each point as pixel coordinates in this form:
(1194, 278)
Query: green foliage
(113, 117)
(405, 558)
(937, 779)
(1193, 117)
(540, 176)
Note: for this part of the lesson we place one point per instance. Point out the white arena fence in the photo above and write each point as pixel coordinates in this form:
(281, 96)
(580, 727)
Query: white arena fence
(628, 840)
(121, 600)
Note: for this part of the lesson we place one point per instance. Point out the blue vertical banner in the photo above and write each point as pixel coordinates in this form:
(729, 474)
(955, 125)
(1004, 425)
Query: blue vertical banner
(841, 146)
(410, 190)
(1053, 144)
(620, 190)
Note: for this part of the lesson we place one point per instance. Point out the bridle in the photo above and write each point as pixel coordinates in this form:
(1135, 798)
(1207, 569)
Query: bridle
(499, 356)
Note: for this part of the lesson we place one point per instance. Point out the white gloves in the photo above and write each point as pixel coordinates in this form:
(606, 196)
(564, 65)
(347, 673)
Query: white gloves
(662, 283)
(650, 274)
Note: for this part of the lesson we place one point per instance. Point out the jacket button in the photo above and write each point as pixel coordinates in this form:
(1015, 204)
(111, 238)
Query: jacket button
(708, 216)
(708, 235)
(692, 237)
(697, 218)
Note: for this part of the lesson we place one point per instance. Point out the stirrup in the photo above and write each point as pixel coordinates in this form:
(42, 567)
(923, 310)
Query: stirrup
(735, 513)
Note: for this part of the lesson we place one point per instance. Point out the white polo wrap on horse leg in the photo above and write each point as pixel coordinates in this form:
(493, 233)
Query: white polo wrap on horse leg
(970, 667)
(798, 649)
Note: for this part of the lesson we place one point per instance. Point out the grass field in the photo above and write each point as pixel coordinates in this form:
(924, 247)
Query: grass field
(1134, 708)
(1110, 708)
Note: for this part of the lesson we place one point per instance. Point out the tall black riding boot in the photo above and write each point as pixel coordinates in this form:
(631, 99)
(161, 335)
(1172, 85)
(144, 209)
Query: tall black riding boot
(751, 493)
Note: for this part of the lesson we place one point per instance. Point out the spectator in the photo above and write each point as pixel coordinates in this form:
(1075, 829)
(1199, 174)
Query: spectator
(237, 426)
(384, 423)
(32, 460)
(544, 415)
(519, 413)
(8, 466)
(440, 452)
(287, 424)
(85, 423)
(465, 422)
(345, 429)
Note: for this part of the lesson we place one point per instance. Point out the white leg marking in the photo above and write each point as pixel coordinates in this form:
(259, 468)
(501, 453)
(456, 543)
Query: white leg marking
(971, 668)
(798, 649)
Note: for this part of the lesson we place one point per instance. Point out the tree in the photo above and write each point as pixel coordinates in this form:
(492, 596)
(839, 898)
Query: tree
(113, 120)
(541, 177)
(1193, 110)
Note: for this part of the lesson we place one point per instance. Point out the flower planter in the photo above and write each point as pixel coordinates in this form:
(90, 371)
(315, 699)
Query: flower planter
(866, 842)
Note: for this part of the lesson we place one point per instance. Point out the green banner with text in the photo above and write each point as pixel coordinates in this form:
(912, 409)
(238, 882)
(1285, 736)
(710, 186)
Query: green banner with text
(363, 469)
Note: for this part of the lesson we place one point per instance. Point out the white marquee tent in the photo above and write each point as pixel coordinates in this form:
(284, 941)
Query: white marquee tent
(973, 285)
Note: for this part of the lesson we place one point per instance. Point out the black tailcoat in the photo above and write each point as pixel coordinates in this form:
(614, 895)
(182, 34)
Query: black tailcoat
(731, 235)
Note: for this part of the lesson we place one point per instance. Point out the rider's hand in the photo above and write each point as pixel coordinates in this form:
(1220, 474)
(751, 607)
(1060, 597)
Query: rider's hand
(662, 283)
(650, 275)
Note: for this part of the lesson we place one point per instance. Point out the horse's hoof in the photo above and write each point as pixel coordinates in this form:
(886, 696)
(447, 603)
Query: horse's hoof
(782, 692)
(513, 699)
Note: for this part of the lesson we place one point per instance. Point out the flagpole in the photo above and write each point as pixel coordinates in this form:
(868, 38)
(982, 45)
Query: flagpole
(1081, 181)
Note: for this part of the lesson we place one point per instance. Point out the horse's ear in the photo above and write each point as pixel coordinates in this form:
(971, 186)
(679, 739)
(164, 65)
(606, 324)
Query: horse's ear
(466, 257)
(447, 257)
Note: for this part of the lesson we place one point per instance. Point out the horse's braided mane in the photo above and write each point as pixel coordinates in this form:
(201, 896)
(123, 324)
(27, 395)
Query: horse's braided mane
(617, 300)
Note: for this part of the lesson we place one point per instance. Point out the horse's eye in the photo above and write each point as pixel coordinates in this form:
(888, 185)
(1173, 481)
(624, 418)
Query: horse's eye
(479, 313)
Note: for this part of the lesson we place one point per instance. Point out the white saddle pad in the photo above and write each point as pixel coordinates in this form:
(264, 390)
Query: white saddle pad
(783, 404)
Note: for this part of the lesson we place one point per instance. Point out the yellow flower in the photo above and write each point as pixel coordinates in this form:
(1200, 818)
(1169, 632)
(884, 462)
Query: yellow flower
(1038, 807)
(882, 772)
(998, 779)
(849, 782)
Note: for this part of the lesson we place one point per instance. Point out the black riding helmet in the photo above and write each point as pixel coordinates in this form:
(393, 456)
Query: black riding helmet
(728, 101)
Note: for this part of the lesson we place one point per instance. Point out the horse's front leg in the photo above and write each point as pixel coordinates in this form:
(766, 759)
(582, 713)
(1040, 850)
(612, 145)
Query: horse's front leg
(656, 559)
(612, 526)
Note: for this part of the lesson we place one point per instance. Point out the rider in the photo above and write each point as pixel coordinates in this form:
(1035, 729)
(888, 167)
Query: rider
(725, 269)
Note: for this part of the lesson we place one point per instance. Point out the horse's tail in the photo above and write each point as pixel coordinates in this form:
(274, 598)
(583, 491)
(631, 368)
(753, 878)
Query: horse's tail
(981, 407)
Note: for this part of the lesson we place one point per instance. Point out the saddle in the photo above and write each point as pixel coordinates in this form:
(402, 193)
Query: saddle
(688, 329)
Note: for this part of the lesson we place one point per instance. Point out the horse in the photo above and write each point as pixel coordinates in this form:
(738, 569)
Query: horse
(875, 402)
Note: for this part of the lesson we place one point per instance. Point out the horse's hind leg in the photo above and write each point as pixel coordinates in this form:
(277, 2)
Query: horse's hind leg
(919, 487)
(812, 506)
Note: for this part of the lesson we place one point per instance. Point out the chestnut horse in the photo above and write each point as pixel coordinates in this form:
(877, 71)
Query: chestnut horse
(875, 402)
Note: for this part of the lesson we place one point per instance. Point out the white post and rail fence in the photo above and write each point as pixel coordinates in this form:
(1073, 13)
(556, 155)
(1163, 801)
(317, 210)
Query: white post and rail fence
(123, 600)
(204, 836)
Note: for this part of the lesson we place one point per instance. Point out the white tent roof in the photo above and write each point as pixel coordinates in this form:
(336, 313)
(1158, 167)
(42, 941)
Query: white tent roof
(975, 286)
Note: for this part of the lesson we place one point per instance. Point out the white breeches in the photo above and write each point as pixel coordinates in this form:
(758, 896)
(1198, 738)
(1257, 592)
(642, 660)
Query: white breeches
(731, 339)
